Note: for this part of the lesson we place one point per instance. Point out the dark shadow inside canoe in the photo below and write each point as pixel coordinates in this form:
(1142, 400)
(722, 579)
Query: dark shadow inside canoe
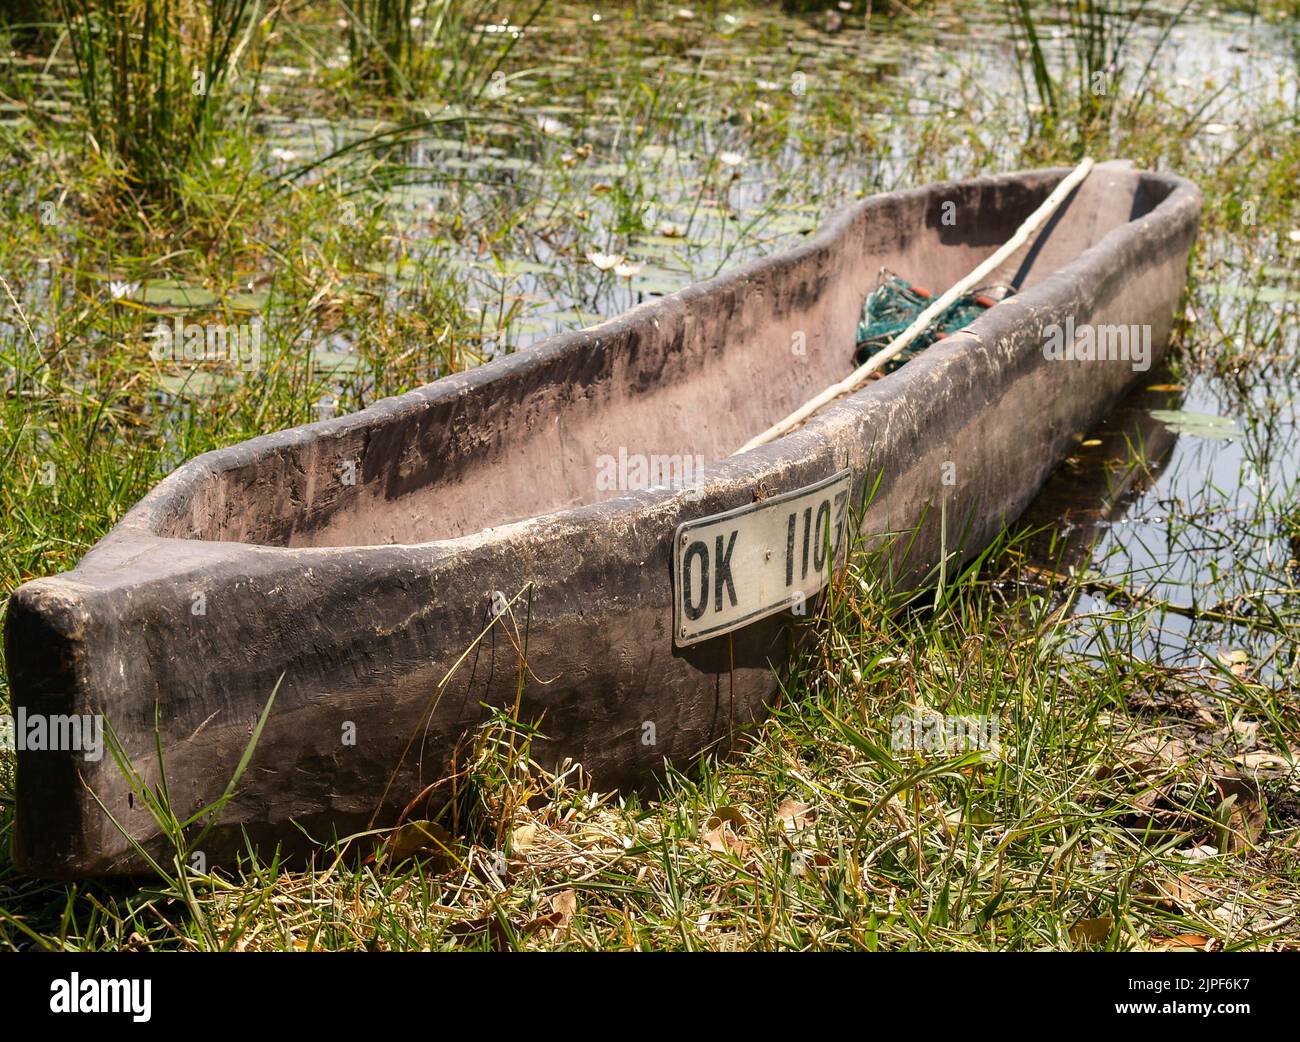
(585, 416)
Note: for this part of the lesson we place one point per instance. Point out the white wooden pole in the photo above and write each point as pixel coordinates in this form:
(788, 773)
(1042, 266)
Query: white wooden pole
(859, 376)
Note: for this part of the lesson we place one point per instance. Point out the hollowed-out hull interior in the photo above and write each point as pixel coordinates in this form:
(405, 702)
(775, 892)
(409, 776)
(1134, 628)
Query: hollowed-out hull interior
(692, 377)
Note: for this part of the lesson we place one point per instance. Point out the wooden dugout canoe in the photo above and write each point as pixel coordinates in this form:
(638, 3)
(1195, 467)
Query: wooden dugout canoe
(363, 592)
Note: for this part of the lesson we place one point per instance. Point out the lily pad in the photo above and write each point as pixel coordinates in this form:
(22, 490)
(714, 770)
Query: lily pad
(1198, 424)
(196, 384)
(253, 301)
(172, 294)
(337, 362)
(1262, 294)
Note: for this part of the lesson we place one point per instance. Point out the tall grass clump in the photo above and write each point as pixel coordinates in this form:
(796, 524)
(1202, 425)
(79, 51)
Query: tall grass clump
(29, 22)
(450, 48)
(1086, 82)
(151, 75)
(382, 42)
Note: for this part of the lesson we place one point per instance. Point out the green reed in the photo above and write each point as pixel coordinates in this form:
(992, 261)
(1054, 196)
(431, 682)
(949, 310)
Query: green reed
(152, 75)
(451, 49)
(1090, 82)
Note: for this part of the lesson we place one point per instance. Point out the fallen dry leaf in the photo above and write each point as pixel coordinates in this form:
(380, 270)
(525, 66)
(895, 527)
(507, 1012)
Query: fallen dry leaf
(1174, 893)
(1262, 759)
(1190, 941)
(419, 838)
(564, 905)
(1245, 731)
(723, 840)
(1156, 748)
(561, 908)
(721, 832)
(1091, 931)
(730, 815)
(1246, 813)
(794, 815)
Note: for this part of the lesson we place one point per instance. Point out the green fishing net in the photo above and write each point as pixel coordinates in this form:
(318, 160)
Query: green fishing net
(895, 304)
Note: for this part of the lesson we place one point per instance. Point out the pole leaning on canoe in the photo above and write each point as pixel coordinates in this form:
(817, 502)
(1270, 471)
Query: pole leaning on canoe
(859, 376)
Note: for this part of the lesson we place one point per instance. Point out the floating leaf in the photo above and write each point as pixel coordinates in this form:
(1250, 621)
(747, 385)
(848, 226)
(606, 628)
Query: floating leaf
(1262, 294)
(195, 384)
(337, 362)
(172, 294)
(1198, 424)
(254, 301)
(512, 266)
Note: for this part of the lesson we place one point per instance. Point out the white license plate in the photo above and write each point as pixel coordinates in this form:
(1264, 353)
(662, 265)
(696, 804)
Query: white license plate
(734, 568)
